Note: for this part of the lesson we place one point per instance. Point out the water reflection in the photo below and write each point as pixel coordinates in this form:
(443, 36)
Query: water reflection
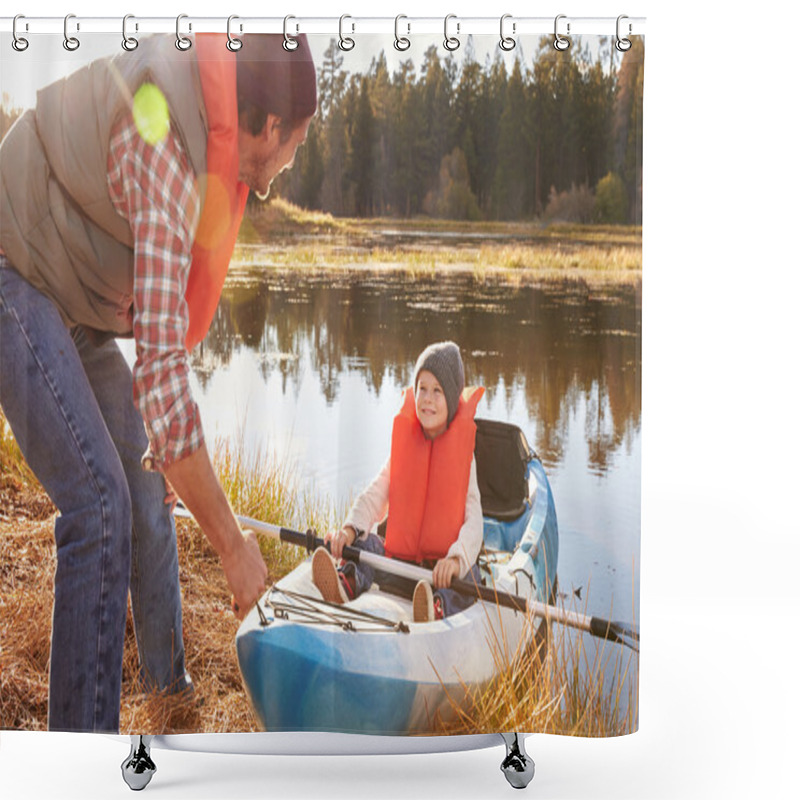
(566, 351)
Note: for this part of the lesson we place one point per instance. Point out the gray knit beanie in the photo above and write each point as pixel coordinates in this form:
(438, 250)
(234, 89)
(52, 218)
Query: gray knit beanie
(443, 360)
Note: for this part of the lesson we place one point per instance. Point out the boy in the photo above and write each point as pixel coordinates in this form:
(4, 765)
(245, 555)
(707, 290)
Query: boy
(428, 486)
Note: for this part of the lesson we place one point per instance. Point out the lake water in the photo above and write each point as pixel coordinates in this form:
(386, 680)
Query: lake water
(311, 366)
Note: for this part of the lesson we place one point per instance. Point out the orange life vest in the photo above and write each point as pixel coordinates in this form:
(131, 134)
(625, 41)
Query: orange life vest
(429, 480)
(225, 196)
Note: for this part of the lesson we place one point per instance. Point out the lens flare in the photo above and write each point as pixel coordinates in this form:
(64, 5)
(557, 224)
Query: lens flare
(151, 113)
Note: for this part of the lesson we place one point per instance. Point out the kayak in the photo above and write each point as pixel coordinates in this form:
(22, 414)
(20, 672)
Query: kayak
(365, 667)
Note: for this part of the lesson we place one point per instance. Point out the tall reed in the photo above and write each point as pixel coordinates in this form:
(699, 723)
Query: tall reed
(259, 484)
(557, 680)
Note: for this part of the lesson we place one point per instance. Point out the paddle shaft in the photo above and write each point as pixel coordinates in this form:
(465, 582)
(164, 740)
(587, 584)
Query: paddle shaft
(596, 626)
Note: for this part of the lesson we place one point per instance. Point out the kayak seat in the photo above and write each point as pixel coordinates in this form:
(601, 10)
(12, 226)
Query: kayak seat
(502, 454)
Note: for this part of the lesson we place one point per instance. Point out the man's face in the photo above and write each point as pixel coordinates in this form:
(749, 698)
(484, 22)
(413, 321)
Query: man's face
(263, 157)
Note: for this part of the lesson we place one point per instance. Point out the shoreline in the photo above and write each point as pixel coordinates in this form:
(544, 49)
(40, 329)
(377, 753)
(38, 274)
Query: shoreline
(282, 236)
(522, 276)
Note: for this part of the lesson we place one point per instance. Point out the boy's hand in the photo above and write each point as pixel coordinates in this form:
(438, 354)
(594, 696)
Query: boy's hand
(339, 540)
(445, 570)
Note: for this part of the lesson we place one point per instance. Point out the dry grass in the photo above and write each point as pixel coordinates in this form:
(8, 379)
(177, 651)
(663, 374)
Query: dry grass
(552, 685)
(281, 235)
(592, 254)
(279, 217)
(257, 486)
(220, 703)
(27, 567)
(27, 564)
(261, 486)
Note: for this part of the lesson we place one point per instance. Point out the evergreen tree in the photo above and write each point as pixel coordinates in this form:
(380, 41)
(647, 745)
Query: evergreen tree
(361, 160)
(382, 99)
(410, 175)
(331, 80)
(513, 151)
(491, 102)
(391, 144)
(628, 125)
(310, 168)
(466, 109)
(436, 97)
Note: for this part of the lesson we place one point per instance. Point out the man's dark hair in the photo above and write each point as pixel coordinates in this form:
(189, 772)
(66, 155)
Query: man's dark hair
(272, 80)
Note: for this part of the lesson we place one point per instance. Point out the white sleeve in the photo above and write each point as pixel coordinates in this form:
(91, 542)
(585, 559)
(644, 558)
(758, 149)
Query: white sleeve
(372, 505)
(470, 538)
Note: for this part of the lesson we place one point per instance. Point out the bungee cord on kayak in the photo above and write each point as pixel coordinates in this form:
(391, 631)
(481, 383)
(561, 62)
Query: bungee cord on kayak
(310, 610)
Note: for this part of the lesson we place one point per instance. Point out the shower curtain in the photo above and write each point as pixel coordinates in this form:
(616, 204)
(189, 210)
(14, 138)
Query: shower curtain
(456, 187)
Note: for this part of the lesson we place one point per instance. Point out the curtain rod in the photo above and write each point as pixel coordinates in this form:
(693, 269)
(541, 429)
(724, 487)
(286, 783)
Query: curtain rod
(350, 25)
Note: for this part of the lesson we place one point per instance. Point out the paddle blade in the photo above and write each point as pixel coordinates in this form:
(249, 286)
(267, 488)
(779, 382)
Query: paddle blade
(615, 632)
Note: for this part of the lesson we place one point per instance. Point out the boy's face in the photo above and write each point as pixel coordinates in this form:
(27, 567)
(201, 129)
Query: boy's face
(431, 405)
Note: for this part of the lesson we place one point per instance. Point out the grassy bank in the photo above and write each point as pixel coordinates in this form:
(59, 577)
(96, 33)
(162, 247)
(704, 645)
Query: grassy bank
(256, 484)
(559, 686)
(283, 236)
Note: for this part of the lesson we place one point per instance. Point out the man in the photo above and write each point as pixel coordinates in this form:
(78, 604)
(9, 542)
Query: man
(122, 193)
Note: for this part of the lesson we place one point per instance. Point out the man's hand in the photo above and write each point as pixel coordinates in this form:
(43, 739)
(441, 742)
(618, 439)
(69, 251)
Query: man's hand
(246, 574)
(171, 498)
(445, 570)
(195, 482)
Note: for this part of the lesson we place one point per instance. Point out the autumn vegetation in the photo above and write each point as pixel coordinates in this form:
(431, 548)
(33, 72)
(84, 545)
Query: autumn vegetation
(553, 136)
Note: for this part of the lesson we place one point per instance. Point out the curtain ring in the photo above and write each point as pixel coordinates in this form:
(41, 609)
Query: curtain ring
(128, 42)
(346, 43)
(182, 42)
(401, 43)
(71, 43)
(19, 43)
(559, 42)
(289, 43)
(233, 44)
(623, 45)
(507, 42)
(451, 42)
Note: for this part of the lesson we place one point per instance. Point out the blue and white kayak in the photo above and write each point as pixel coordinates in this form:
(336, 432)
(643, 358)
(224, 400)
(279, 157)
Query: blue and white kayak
(365, 667)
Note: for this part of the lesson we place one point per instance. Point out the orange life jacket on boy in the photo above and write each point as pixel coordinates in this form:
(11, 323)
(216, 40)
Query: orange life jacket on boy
(429, 480)
(225, 196)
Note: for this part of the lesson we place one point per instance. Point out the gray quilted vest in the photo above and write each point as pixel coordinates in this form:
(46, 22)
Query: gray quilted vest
(58, 226)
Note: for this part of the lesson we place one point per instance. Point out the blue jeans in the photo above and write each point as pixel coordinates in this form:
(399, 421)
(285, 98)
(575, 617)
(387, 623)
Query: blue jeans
(364, 576)
(70, 407)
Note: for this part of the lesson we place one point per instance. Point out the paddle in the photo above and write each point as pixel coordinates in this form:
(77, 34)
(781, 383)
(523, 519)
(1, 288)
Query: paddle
(605, 629)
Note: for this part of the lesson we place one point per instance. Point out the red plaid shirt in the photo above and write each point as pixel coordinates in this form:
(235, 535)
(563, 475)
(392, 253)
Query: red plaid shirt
(154, 188)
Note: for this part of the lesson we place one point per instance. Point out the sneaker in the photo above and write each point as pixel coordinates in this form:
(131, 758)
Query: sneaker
(347, 577)
(326, 577)
(423, 602)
